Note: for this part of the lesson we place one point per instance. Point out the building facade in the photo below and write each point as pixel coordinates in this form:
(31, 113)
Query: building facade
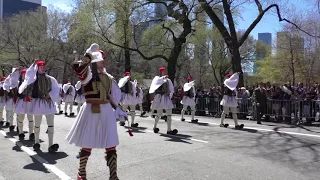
(11, 7)
(266, 40)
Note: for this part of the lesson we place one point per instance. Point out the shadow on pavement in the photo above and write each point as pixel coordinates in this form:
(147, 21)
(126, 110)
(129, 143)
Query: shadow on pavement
(52, 157)
(177, 138)
(36, 166)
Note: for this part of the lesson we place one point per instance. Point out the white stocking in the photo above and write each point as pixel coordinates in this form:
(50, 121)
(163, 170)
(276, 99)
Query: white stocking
(169, 119)
(31, 123)
(50, 122)
(157, 118)
(37, 124)
(132, 113)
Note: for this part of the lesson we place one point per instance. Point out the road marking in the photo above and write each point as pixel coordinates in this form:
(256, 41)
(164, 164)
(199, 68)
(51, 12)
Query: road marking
(32, 153)
(260, 129)
(181, 137)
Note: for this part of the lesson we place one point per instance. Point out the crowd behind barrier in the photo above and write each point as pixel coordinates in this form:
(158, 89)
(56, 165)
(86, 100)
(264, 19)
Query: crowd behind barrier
(296, 107)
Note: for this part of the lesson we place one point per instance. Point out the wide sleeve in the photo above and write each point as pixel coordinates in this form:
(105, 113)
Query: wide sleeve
(14, 79)
(115, 93)
(156, 83)
(30, 77)
(141, 94)
(65, 88)
(194, 91)
(171, 88)
(134, 87)
(6, 84)
(73, 91)
(55, 89)
(78, 85)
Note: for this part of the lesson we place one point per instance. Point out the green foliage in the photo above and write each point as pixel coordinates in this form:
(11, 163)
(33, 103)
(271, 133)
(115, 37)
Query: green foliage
(268, 70)
(138, 76)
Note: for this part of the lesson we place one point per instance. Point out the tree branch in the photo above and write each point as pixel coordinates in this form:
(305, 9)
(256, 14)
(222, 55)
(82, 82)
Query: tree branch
(261, 14)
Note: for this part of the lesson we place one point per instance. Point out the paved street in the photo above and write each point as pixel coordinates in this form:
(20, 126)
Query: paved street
(200, 151)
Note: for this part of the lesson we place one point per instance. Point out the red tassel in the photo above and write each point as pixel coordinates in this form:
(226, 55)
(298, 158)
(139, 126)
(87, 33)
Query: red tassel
(28, 99)
(130, 132)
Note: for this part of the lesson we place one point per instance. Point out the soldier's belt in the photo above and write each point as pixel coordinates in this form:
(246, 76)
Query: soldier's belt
(95, 105)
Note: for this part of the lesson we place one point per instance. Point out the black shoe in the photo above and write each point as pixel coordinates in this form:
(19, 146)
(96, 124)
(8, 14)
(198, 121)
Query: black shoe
(173, 132)
(66, 114)
(135, 125)
(224, 125)
(71, 114)
(194, 121)
(60, 112)
(259, 122)
(53, 148)
(142, 114)
(122, 123)
(156, 130)
(31, 137)
(21, 136)
(7, 124)
(239, 126)
(183, 119)
(36, 147)
(11, 128)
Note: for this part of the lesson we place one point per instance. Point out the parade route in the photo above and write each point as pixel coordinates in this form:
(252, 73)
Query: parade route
(202, 151)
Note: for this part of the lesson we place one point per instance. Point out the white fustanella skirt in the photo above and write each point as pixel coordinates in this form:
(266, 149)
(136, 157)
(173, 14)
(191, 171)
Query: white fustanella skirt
(91, 130)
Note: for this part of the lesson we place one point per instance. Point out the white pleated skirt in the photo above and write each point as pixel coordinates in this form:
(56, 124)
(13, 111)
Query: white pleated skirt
(188, 101)
(161, 102)
(94, 130)
(80, 99)
(139, 100)
(23, 107)
(68, 98)
(2, 102)
(9, 104)
(229, 101)
(128, 99)
(42, 107)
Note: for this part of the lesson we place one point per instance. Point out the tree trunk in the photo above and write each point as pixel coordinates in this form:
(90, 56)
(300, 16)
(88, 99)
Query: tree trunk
(173, 59)
(127, 65)
(236, 63)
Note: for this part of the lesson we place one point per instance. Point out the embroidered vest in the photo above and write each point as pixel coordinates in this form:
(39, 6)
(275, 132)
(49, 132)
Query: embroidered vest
(98, 89)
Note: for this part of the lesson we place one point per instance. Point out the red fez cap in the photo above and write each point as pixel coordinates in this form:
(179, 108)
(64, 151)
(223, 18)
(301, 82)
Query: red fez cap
(229, 75)
(3, 78)
(189, 79)
(127, 73)
(138, 83)
(162, 69)
(23, 71)
(68, 81)
(41, 63)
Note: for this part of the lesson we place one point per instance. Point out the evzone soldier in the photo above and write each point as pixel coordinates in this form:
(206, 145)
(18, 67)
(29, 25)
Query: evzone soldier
(163, 89)
(23, 105)
(80, 98)
(44, 93)
(229, 101)
(11, 95)
(95, 125)
(2, 100)
(189, 99)
(139, 99)
(59, 102)
(128, 90)
(68, 97)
